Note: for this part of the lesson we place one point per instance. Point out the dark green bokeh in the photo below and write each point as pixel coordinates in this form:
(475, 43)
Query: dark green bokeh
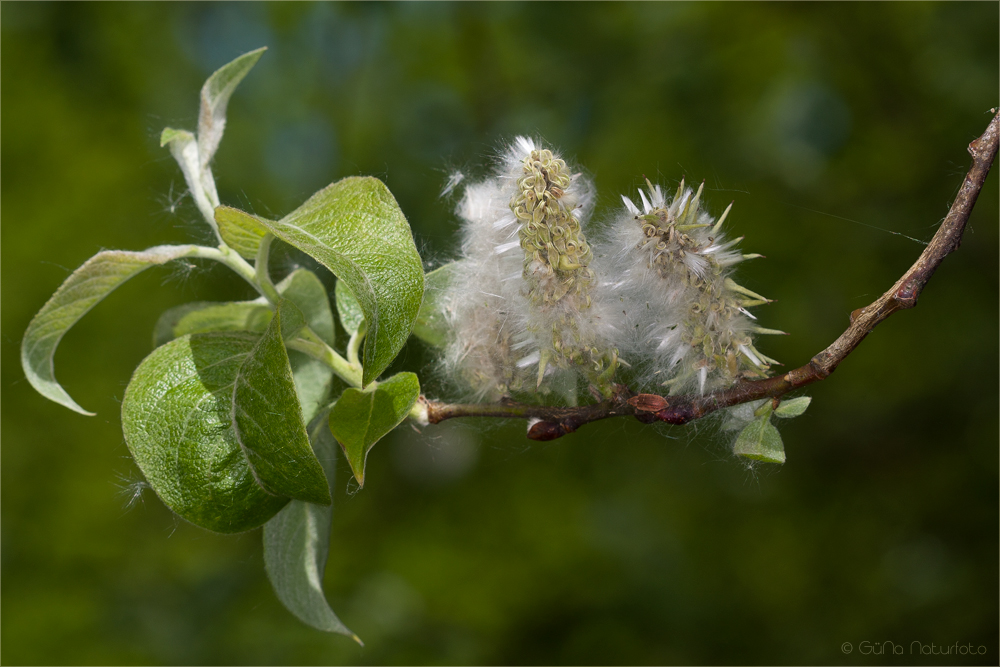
(830, 126)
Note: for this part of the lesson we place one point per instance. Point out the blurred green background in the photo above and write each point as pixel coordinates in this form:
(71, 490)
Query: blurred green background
(830, 125)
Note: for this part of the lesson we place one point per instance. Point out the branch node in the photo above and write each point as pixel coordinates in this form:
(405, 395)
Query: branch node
(544, 431)
(678, 415)
(801, 376)
(906, 295)
(819, 367)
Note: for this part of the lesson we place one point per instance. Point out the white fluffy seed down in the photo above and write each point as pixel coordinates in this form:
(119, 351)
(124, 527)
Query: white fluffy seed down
(666, 268)
(531, 307)
(519, 309)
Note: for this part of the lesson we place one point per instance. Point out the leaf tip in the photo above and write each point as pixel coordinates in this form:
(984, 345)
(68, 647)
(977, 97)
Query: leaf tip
(68, 402)
(324, 499)
(357, 467)
(254, 55)
(358, 640)
(170, 134)
(251, 57)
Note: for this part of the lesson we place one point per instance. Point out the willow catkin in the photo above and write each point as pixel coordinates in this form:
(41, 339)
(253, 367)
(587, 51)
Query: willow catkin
(686, 323)
(521, 307)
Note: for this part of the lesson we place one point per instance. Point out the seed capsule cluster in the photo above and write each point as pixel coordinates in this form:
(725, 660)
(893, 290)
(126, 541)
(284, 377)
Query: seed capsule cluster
(533, 308)
(557, 276)
(689, 320)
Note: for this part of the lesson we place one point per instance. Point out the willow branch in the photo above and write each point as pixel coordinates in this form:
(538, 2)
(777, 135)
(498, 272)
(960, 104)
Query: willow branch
(550, 422)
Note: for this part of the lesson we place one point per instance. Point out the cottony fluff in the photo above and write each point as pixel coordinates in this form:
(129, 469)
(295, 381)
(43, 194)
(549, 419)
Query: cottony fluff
(685, 322)
(521, 304)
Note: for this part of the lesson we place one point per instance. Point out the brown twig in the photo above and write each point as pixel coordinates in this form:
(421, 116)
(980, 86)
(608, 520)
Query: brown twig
(553, 422)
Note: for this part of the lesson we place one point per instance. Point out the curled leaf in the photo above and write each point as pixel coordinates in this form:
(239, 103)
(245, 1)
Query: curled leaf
(177, 416)
(194, 155)
(184, 148)
(354, 228)
(267, 418)
(215, 96)
(83, 290)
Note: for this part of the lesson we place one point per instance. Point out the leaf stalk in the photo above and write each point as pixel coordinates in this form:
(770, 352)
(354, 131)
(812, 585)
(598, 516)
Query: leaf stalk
(262, 273)
(309, 343)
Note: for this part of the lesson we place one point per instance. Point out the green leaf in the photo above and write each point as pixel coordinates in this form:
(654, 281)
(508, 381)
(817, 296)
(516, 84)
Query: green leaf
(83, 290)
(208, 316)
(359, 419)
(312, 378)
(194, 155)
(312, 383)
(354, 228)
(760, 441)
(296, 545)
(215, 96)
(348, 308)
(267, 418)
(177, 415)
(240, 231)
(793, 408)
(301, 287)
(163, 331)
(292, 320)
(304, 288)
(432, 321)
